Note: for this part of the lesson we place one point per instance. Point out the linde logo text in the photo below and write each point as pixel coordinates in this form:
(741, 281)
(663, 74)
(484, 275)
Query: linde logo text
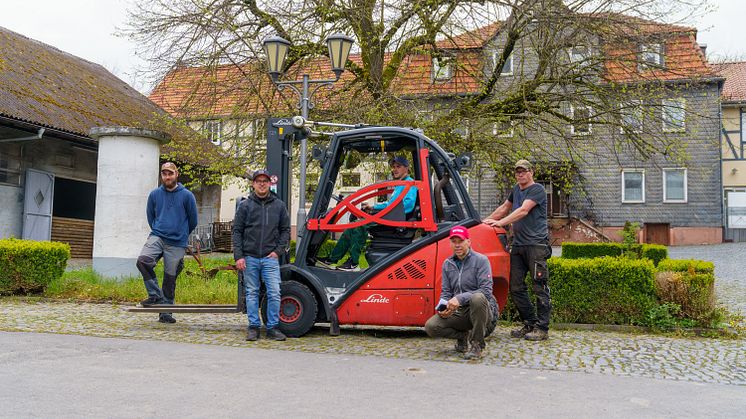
(375, 298)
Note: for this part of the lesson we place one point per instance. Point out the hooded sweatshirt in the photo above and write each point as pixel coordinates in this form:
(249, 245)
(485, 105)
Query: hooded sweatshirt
(172, 215)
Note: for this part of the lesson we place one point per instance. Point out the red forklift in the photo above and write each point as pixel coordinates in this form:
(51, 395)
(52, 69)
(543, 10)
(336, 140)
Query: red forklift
(402, 283)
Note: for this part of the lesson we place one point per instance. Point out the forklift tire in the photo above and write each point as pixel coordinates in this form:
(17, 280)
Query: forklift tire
(298, 309)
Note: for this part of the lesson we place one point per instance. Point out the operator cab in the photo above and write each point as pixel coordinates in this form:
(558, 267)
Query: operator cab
(356, 164)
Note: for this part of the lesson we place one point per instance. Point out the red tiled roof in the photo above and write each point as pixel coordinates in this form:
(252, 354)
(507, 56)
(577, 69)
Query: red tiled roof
(43, 85)
(471, 39)
(734, 89)
(203, 93)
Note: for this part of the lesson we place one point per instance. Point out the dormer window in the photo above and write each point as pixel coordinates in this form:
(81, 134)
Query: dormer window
(507, 69)
(651, 56)
(213, 129)
(442, 69)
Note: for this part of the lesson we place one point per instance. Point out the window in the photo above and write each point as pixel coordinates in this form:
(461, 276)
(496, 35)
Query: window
(442, 69)
(503, 128)
(213, 130)
(507, 69)
(350, 180)
(651, 56)
(579, 54)
(674, 115)
(10, 173)
(633, 185)
(581, 116)
(631, 113)
(674, 185)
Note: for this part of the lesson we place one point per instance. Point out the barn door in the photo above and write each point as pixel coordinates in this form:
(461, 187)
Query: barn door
(37, 205)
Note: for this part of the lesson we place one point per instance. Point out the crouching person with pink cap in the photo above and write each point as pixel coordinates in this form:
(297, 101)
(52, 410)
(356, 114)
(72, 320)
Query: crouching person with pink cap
(467, 310)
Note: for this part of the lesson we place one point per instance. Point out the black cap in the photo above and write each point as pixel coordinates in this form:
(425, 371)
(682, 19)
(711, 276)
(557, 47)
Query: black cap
(260, 172)
(401, 160)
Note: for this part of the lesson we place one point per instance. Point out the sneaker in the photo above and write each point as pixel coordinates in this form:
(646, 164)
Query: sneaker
(275, 334)
(151, 301)
(475, 352)
(519, 333)
(537, 335)
(325, 263)
(348, 266)
(252, 334)
(166, 318)
(462, 345)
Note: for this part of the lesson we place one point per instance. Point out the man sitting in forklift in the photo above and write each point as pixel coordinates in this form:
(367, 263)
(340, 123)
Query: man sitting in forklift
(353, 239)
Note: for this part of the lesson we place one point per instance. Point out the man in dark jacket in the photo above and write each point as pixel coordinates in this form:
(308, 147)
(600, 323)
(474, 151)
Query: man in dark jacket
(261, 235)
(467, 308)
(172, 215)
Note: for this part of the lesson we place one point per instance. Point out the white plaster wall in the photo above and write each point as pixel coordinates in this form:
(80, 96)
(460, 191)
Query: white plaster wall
(11, 211)
(232, 189)
(127, 172)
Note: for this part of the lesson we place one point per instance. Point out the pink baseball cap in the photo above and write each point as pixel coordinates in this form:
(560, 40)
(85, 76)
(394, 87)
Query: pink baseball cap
(460, 232)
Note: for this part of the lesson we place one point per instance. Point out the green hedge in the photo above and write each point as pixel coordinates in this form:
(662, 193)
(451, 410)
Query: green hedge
(591, 250)
(687, 265)
(28, 266)
(654, 252)
(605, 290)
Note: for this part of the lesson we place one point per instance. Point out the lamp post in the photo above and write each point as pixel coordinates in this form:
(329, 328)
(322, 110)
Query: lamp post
(276, 49)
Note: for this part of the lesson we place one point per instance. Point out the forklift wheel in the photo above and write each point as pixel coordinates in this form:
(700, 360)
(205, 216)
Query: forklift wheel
(298, 308)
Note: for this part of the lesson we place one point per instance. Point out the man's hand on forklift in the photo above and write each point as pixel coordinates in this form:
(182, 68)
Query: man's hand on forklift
(241, 264)
(491, 222)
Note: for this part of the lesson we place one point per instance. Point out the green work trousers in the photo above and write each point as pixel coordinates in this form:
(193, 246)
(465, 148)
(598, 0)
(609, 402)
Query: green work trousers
(352, 240)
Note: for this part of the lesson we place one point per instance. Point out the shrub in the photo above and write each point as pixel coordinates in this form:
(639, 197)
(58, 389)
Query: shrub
(687, 265)
(654, 252)
(591, 250)
(602, 290)
(693, 292)
(324, 251)
(28, 266)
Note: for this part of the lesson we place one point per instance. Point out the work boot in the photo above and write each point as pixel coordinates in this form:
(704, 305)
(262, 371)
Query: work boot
(462, 345)
(475, 352)
(252, 334)
(325, 263)
(349, 265)
(151, 301)
(275, 334)
(537, 335)
(166, 318)
(523, 331)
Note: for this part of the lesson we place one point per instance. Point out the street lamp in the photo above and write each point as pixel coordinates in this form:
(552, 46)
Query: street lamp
(276, 49)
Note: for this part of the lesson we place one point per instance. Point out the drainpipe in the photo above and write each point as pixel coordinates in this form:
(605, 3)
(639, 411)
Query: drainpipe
(33, 137)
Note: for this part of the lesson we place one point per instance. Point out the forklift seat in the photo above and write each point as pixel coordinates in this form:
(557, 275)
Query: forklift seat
(386, 240)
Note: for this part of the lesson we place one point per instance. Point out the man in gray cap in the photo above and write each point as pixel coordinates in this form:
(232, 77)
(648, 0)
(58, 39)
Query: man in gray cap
(261, 235)
(526, 209)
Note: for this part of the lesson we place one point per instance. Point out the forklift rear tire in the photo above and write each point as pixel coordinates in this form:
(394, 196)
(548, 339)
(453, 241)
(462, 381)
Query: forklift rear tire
(298, 308)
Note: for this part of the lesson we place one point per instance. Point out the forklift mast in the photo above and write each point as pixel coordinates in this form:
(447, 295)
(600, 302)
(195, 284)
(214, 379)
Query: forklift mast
(280, 137)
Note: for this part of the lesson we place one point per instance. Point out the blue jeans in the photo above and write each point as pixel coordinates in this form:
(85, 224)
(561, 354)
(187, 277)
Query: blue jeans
(268, 269)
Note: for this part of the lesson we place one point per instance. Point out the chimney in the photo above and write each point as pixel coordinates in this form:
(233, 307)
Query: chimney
(703, 48)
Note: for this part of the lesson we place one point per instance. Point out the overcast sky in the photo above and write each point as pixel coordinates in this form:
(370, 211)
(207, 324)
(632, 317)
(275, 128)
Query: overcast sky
(86, 28)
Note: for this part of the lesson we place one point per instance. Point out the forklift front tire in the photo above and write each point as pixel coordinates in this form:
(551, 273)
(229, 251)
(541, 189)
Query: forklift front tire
(298, 308)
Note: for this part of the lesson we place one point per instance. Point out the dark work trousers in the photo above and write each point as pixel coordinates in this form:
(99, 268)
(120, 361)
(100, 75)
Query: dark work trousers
(474, 318)
(531, 259)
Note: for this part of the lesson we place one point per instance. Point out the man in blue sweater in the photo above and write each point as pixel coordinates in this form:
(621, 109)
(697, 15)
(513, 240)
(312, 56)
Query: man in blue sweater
(172, 215)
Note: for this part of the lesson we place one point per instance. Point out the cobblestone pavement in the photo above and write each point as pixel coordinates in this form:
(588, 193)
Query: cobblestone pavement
(671, 358)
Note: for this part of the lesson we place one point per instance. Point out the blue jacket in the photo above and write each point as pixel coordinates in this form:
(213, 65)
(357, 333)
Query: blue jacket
(409, 199)
(172, 215)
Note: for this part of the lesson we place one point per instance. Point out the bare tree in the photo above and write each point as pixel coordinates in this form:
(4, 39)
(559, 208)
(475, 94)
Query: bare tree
(580, 85)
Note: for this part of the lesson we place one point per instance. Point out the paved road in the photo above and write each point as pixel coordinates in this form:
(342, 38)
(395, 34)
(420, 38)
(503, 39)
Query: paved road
(72, 376)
